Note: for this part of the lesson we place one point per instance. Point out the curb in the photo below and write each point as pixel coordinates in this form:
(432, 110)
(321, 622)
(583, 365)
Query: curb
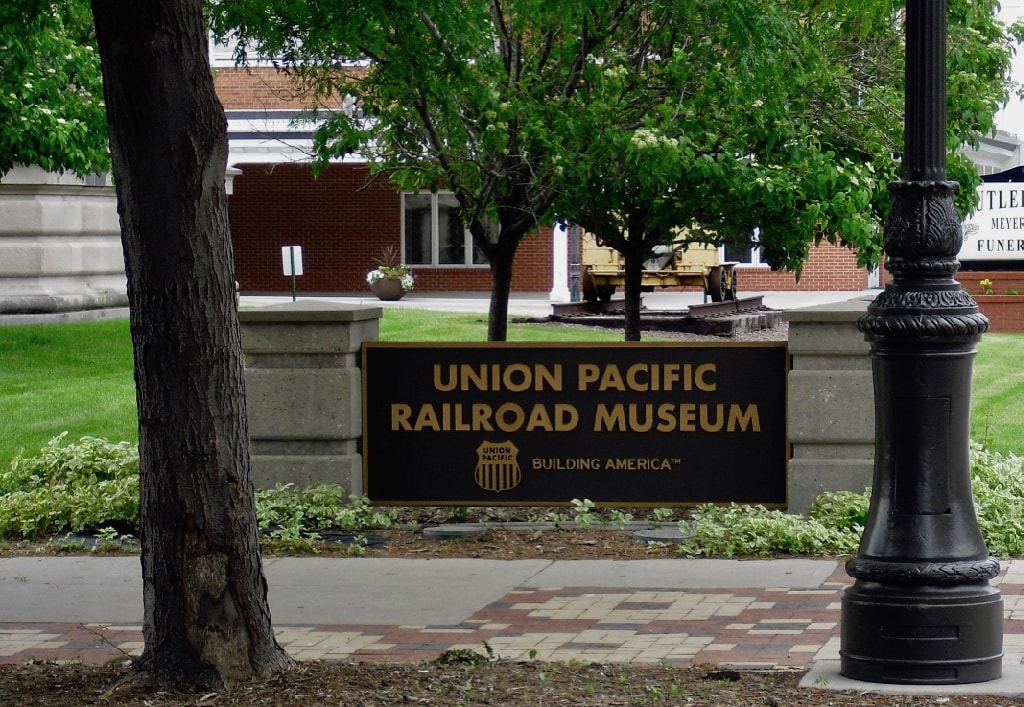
(645, 532)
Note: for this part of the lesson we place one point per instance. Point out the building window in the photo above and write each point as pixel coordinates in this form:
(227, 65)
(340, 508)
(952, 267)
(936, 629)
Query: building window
(433, 234)
(744, 252)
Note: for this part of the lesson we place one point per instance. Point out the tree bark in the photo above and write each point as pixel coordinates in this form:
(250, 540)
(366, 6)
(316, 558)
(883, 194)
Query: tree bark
(206, 616)
(501, 288)
(637, 247)
(633, 269)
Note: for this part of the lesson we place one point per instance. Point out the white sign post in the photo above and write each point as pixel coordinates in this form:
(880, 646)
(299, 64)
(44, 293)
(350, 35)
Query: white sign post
(996, 230)
(291, 261)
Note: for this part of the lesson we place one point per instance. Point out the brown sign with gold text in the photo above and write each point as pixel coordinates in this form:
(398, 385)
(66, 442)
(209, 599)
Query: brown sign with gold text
(542, 424)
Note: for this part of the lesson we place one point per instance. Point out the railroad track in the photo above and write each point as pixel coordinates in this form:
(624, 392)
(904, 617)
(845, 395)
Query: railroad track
(736, 306)
(723, 319)
(708, 309)
(570, 309)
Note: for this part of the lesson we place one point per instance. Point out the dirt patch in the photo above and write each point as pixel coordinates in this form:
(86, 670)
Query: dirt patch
(503, 683)
(564, 540)
(499, 544)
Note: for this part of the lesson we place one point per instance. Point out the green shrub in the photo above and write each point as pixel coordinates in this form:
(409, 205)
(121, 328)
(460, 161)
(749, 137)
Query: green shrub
(727, 531)
(70, 486)
(837, 519)
(292, 518)
(93, 483)
(323, 507)
(844, 510)
(998, 482)
(73, 486)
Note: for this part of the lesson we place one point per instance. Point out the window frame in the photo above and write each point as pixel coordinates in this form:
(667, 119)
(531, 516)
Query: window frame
(435, 234)
(756, 253)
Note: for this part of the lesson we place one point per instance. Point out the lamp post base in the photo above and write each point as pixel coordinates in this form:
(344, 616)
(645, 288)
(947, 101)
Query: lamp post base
(922, 635)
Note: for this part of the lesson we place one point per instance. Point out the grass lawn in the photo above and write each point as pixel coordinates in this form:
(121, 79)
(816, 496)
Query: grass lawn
(413, 325)
(55, 377)
(997, 393)
(78, 376)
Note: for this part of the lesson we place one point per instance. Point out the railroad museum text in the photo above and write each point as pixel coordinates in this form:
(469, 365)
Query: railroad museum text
(519, 421)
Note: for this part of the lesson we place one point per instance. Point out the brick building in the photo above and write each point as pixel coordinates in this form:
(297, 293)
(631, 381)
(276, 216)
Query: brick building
(343, 219)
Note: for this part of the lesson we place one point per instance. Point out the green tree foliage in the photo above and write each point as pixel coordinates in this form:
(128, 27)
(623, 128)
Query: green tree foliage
(51, 93)
(633, 118)
(786, 118)
(474, 97)
(738, 144)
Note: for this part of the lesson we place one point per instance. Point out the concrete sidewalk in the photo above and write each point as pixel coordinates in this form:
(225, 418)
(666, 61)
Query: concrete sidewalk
(540, 305)
(758, 614)
(520, 304)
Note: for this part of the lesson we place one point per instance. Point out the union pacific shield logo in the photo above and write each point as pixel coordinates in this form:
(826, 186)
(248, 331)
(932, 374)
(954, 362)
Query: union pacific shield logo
(497, 466)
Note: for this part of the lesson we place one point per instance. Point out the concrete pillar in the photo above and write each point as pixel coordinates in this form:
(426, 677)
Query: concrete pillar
(304, 391)
(60, 243)
(831, 403)
(559, 263)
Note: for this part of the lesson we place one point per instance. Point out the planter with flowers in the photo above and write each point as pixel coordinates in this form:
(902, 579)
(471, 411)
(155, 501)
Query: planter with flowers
(390, 280)
(1005, 311)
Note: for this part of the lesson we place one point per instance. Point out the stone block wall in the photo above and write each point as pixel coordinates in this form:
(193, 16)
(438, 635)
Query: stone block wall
(304, 396)
(60, 243)
(304, 391)
(831, 402)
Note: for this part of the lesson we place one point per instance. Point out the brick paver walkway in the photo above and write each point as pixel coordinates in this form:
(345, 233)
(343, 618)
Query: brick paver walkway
(760, 628)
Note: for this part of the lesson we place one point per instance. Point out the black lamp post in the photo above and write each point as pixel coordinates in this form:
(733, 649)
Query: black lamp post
(921, 610)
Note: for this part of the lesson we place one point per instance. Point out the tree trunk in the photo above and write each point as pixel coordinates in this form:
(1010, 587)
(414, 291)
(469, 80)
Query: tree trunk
(633, 256)
(633, 266)
(206, 617)
(501, 287)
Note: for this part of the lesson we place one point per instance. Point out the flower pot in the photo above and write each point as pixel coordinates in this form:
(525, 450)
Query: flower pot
(387, 289)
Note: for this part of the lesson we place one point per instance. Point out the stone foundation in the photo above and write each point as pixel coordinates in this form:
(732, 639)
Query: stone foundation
(831, 403)
(304, 391)
(60, 244)
(304, 396)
